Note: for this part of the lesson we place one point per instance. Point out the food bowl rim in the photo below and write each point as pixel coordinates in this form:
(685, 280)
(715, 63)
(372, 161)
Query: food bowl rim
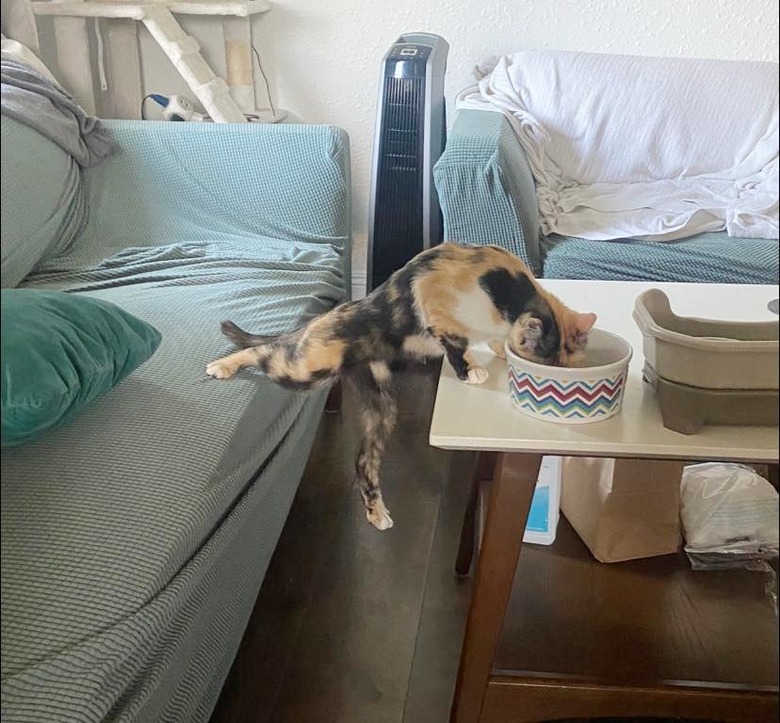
(545, 369)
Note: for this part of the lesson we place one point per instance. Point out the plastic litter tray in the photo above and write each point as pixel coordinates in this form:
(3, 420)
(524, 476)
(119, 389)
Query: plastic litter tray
(706, 353)
(687, 409)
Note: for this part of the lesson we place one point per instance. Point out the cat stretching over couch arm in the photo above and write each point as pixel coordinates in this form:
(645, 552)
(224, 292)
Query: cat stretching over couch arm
(439, 303)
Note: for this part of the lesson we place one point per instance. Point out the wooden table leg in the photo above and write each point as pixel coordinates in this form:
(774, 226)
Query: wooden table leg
(484, 469)
(510, 501)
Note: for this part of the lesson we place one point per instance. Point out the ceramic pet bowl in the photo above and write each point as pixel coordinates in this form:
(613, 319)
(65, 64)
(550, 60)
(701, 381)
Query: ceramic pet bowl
(572, 395)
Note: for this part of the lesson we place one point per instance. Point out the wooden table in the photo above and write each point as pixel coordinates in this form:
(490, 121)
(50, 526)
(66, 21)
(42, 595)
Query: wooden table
(510, 447)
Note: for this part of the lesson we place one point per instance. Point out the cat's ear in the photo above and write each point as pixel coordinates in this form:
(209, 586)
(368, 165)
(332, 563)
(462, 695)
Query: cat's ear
(583, 323)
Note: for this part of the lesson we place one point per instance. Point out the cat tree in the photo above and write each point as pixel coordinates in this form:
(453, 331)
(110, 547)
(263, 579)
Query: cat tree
(229, 101)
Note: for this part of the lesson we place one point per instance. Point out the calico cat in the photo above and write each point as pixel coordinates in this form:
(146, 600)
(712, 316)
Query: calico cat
(440, 302)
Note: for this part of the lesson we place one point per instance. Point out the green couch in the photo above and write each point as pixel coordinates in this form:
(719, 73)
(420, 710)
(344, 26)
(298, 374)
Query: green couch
(486, 191)
(135, 537)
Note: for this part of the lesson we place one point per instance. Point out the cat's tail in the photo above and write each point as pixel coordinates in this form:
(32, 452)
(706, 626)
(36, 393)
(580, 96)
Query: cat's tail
(243, 338)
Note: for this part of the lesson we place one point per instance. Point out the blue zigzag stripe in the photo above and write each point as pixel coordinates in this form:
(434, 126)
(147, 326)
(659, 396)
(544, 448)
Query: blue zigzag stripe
(573, 410)
(573, 406)
(561, 386)
(571, 395)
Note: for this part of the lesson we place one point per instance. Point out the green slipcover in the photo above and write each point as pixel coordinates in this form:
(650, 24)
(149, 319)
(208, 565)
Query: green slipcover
(39, 216)
(135, 537)
(487, 195)
(706, 257)
(482, 180)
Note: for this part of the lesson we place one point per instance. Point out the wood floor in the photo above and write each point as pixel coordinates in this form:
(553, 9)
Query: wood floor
(352, 624)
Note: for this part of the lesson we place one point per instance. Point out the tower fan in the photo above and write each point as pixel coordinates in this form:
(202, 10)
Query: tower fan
(404, 214)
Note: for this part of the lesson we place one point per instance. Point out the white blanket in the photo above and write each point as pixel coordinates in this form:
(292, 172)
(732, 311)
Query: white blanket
(627, 146)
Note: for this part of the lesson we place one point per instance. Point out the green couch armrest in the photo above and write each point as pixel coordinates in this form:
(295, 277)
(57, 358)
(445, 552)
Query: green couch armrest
(486, 190)
(43, 206)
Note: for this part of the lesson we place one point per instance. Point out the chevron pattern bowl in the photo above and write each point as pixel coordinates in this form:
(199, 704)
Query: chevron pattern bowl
(573, 395)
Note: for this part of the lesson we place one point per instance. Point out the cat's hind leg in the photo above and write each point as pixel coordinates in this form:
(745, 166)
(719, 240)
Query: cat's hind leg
(227, 366)
(302, 359)
(377, 420)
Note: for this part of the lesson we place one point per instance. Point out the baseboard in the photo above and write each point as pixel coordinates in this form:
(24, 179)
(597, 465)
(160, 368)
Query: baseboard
(359, 281)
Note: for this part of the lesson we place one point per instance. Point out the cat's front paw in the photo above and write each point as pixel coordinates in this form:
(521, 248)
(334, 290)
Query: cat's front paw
(220, 369)
(476, 375)
(379, 516)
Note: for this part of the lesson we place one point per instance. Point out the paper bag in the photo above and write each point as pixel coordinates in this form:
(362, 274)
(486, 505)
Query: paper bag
(623, 509)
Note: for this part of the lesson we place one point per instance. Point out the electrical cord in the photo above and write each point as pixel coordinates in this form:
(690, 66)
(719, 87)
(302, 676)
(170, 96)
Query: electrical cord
(267, 87)
(143, 105)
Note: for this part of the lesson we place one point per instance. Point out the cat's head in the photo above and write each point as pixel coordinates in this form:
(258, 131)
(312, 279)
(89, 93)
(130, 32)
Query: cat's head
(551, 333)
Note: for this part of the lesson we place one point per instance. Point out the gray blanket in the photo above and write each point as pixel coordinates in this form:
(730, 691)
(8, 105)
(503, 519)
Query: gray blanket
(32, 99)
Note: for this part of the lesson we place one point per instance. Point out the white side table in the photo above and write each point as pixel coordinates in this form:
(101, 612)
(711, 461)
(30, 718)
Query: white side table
(511, 446)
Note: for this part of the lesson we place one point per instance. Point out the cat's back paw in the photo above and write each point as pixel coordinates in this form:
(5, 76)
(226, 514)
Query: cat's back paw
(477, 375)
(220, 369)
(379, 516)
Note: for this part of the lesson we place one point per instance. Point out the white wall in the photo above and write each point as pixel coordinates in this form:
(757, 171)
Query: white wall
(323, 58)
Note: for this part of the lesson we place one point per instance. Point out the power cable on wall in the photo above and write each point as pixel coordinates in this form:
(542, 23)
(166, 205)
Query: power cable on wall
(265, 80)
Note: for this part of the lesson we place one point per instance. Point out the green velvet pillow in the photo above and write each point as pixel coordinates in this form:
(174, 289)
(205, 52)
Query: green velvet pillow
(59, 352)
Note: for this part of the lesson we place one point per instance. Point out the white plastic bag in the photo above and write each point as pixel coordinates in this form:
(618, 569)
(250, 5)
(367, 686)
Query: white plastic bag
(729, 516)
